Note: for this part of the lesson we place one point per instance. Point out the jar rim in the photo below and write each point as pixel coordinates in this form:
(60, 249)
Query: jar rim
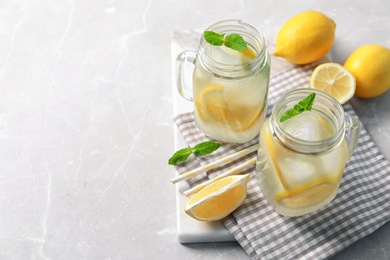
(246, 30)
(324, 103)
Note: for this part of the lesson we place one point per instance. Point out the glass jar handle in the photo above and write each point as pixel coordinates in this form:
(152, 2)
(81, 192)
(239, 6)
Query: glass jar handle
(184, 89)
(352, 130)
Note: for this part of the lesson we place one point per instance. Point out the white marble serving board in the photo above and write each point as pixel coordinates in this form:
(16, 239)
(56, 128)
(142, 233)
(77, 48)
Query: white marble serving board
(190, 230)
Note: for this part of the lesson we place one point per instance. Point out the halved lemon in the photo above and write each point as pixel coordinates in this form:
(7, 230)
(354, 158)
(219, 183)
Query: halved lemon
(335, 80)
(218, 199)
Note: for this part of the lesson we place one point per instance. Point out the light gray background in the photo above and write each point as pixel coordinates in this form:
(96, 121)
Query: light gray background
(86, 121)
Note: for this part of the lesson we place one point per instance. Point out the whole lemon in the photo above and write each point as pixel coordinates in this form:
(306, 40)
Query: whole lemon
(370, 64)
(305, 38)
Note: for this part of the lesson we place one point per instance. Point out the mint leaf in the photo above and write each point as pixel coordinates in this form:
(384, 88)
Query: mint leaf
(289, 114)
(180, 156)
(199, 149)
(304, 105)
(214, 38)
(205, 148)
(235, 42)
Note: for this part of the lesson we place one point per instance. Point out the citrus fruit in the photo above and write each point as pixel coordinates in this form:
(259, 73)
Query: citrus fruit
(307, 195)
(335, 80)
(370, 64)
(215, 105)
(271, 150)
(226, 108)
(305, 38)
(249, 53)
(218, 199)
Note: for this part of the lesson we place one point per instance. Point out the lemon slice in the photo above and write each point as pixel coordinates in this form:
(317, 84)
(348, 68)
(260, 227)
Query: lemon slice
(218, 199)
(308, 195)
(213, 104)
(249, 53)
(335, 80)
(273, 154)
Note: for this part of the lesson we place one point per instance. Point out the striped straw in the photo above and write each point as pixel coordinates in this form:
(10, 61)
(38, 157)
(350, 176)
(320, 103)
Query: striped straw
(215, 164)
(232, 171)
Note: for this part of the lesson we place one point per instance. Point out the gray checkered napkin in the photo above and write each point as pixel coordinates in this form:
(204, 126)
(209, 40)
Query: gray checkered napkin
(361, 206)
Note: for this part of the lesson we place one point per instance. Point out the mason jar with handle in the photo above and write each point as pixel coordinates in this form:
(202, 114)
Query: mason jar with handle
(229, 87)
(301, 161)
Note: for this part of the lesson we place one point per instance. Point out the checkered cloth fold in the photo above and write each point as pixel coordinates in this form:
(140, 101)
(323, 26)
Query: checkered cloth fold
(361, 206)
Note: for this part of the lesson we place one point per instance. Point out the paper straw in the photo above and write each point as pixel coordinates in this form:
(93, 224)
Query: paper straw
(215, 164)
(235, 170)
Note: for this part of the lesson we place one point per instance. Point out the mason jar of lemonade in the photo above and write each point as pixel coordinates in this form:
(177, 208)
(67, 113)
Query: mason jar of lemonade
(301, 160)
(229, 87)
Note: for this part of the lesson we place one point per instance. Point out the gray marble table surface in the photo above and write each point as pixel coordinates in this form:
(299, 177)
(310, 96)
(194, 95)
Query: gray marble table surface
(86, 121)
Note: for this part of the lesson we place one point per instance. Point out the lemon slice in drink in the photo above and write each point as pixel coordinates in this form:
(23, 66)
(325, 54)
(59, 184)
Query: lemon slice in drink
(310, 194)
(214, 104)
(249, 53)
(218, 199)
(273, 154)
(335, 80)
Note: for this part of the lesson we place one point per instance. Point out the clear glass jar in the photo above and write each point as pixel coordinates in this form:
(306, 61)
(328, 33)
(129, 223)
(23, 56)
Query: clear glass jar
(229, 87)
(301, 161)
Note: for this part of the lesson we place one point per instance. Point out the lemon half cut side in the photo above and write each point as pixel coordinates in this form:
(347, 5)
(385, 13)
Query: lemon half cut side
(335, 80)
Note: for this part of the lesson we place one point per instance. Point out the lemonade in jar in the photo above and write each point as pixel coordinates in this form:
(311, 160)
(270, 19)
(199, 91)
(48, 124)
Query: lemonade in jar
(229, 85)
(303, 151)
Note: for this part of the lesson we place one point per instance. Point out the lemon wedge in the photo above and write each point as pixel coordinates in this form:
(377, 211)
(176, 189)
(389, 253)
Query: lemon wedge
(218, 199)
(335, 80)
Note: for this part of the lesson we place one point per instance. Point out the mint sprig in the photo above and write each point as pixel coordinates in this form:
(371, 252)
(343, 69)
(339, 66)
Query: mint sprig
(199, 149)
(233, 41)
(214, 38)
(303, 105)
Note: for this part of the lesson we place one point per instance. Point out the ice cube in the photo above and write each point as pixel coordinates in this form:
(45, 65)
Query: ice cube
(225, 55)
(306, 126)
(333, 162)
(297, 172)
